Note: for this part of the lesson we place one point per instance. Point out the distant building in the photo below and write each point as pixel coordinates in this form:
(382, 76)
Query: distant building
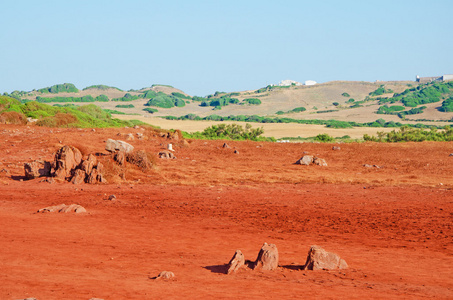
(435, 78)
(289, 82)
(310, 82)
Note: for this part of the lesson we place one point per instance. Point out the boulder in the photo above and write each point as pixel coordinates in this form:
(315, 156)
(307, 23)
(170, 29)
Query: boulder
(129, 137)
(79, 177)
(66, 159)
(62, 208)
(225, 145)
(320, 259)
(165, 275)
(305, 160)
(31, 170)
(267, 257)
(236, 262)
(320, 162)
(336, 148)
(117, 145)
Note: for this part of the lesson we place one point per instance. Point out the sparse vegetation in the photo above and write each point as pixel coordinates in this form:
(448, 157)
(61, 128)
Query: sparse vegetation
(407, 134)
(252, 101)
(150, 110)
(345, 95)
(380, 91)
(324, 138)
(230, 132)
(125, 106)
(101, 87)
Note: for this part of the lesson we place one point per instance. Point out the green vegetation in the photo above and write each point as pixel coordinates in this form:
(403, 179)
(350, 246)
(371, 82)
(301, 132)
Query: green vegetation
(230, 132)
(150, 110)
(17, 94)
(59, 88)
(294, 110)
(219, 102)
(163, 100)
(86, 116)
(335, 103)
(380, 91)
(87, 98)
(125, 106)
(389, 110)
(447, 105)
(259, 119)
(115, 112)
(350, 100)
(252, 101)
(422, 94)
(407, 134)
(127, 97)
(101, 98)
(345, 95)
(101, 87)
(324, 138)
(166, 85)
(182, 96)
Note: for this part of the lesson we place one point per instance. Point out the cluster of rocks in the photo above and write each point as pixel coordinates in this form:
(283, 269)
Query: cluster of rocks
(310, 159)
(63, 208)
(317, 259)
(68, 165)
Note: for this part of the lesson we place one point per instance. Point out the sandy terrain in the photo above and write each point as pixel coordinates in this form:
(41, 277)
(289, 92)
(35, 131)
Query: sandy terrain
(393, 225)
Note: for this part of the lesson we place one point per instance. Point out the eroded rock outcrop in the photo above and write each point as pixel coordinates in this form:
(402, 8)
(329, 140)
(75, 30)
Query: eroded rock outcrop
(117, 145)
(236, 262)
(37, 169)
(66, 160)
(267, 257)
(320, 259)
(310, 159)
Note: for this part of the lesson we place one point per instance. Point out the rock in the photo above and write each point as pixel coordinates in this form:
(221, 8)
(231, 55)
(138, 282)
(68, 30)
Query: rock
(165, 275)
(31, 170)
(73, 208)
(166, 154)
(236, 262)
(112, 197)
(336, 148)
(267, 257)
(120, 157)
(225, 145)
(66, 159)
(79, 177)
(62, 208)
(320, 259)
(88, 164)
(236, 152)
(93, 176)
(320, 161)
(130, 137)
(52, 208)
(117, 145)
(305, 160)
(140, 135)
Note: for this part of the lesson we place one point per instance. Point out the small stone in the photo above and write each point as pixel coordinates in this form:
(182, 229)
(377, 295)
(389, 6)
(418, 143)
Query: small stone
(112, 197)
(305, 160)
(320, 259)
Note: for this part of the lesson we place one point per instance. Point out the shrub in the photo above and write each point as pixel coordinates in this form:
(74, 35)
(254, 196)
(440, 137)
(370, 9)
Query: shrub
(150, 110)
(345, 95)
(102, 98)
(125, 106)
(12, 117)
(252, 101)
(60, 88)
(324, 138)
(350, 100)
(179, 95)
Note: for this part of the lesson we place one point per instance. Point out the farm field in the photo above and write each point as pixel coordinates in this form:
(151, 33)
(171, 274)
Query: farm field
(387, 209)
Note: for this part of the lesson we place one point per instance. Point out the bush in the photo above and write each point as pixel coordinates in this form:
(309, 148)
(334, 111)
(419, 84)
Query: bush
(102, 98)
(345, 95)
(252, 101)
(179, 95)
(232, 132)
(60, 88)
(380, 91)
(12, 117)
(101, 87)
(150, 110)
(350, 100)
(324, 138)
(125, 106)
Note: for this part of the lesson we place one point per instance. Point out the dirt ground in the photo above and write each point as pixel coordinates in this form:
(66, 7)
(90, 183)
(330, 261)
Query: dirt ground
(392, 222)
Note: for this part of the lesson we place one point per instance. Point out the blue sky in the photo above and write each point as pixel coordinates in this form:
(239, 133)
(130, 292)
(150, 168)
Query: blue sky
(207, 46)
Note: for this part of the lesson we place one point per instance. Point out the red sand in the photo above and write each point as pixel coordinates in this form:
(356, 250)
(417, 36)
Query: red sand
(392, 225)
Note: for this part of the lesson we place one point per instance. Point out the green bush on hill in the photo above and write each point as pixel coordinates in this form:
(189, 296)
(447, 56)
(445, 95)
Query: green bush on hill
(87, 98)
(60, 88)
(150, 110)
(447, 105)
(389, 110)
(380, 91)
(179, 95)
(345, 95)
(163, 100)
(407, 134)
(101, 87)
(252, 101)
(127, 97)
(231, 132)
(125, 106)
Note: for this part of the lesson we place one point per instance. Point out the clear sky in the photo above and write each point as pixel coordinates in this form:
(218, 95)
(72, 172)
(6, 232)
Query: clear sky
(207, 46)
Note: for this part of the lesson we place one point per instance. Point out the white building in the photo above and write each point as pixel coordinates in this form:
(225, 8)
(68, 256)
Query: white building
(310, 82)
(447, 77)
(288, 82)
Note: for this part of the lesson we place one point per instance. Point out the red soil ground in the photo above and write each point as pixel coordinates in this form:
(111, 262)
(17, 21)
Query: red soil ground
(392, 225)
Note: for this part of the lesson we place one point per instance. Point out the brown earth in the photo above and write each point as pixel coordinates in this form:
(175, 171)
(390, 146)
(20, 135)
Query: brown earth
(392, 224)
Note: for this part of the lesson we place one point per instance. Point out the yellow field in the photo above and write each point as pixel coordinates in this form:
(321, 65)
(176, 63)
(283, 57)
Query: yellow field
(277, 130)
